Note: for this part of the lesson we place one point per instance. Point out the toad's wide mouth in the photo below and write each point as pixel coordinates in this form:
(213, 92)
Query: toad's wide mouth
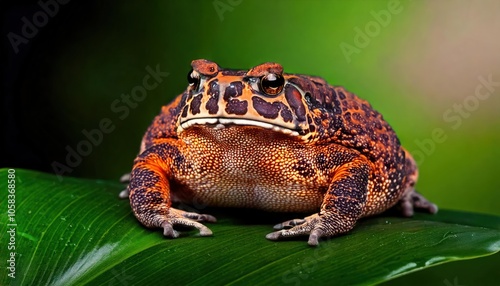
(220, 123)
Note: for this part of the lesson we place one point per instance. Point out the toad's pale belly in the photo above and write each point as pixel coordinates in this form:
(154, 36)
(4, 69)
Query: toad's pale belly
(253, 168)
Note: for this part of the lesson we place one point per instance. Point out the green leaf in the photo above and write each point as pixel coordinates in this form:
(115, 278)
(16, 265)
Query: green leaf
(77, 231)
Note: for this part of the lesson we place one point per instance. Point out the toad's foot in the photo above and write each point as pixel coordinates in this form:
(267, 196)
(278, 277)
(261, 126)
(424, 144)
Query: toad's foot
(413, 200)
(316, 226)
(125, 179)
(178, 217)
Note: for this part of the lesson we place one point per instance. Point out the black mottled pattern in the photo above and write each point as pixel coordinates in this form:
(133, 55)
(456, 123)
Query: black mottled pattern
(194, 107)
(175, 109)
(146, 194)
(304, 168)
(346, 188)
(328, 161)
(318, 94)
(164, 124)
(213, 101)
(285, 113)
(212, 105)
(179, 161)
(234, 89)
(365, 130)
(264, 108)
(147, 179)
(321, 162)
(185, 111)
(347, 208)
(213, 92)
(349, 192)
(272, 110)
(238, 107)
(163, 151)
(294, 99)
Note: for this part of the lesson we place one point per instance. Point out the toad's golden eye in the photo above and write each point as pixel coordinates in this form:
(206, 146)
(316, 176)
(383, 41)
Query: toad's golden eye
(272, 84)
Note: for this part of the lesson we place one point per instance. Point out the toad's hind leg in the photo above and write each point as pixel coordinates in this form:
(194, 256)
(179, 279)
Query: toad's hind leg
(411, 199)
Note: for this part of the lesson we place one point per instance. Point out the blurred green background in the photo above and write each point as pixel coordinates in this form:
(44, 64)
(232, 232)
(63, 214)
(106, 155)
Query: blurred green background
(422, 64)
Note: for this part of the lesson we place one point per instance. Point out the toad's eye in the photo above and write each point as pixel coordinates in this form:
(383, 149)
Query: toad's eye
(272, 84)
(193, 79)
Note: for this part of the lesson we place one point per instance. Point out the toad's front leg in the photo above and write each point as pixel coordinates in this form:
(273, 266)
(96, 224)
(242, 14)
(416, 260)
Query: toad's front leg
(342, 205)
(149, 190)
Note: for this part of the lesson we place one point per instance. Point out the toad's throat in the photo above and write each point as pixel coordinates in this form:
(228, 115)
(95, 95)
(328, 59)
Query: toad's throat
(219, 123)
